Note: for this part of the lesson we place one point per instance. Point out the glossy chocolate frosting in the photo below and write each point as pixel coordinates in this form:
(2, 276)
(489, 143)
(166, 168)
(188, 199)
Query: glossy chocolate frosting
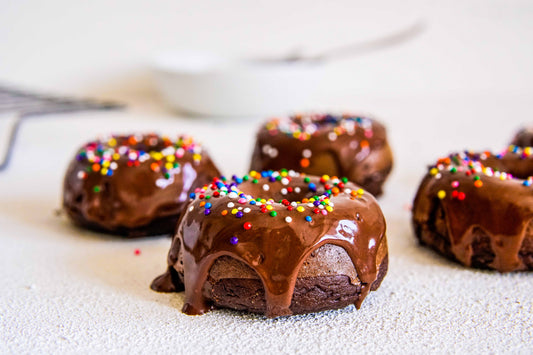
(478, 209)
(272, 222)
(134, 185)
(351, 146)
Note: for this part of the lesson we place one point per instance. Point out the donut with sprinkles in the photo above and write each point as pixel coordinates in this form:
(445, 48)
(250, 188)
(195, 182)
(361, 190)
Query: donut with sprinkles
(134, 185)
(523, 137)
(271, 242)
(477, 209)
(341, 145)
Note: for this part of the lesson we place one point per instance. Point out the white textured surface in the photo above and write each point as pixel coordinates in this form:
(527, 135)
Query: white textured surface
(466, 83)
(67, 290)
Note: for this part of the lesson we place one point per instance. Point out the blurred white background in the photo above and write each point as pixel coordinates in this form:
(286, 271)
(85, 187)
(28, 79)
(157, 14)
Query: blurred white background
(468, 71)
(105, 47)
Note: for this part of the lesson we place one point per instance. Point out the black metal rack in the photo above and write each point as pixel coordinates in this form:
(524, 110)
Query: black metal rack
(23, 105)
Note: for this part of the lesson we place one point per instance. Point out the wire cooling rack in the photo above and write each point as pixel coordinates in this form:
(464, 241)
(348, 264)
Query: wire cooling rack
(21, 105)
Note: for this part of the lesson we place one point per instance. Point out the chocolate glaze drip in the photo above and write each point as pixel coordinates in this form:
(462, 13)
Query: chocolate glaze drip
(274, 247)
(470, 208)
(359, 150)
(137, 199)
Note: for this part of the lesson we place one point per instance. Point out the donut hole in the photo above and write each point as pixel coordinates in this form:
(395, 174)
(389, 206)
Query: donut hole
(319, 120)
(150, 142)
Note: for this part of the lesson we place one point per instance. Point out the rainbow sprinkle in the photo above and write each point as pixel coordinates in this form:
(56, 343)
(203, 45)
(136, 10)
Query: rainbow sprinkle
(161, 153)
(471, 165)
(303, 127)
(242, 203)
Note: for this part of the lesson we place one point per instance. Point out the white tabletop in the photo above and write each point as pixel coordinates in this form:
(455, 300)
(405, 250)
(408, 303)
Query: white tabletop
(465, 83)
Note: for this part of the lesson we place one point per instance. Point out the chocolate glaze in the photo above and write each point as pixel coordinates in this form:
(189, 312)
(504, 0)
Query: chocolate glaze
(140, 196)
(484, 224)
(274, 247)
(351, 146)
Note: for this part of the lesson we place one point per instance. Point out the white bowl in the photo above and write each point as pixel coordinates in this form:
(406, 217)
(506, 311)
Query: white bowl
(212, 85)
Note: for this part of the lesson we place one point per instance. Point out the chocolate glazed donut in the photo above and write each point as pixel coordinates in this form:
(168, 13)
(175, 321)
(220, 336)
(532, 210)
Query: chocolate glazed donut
(351, 146)
(523, 138)
(134, 185)
(477, 209)
(277, 243)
